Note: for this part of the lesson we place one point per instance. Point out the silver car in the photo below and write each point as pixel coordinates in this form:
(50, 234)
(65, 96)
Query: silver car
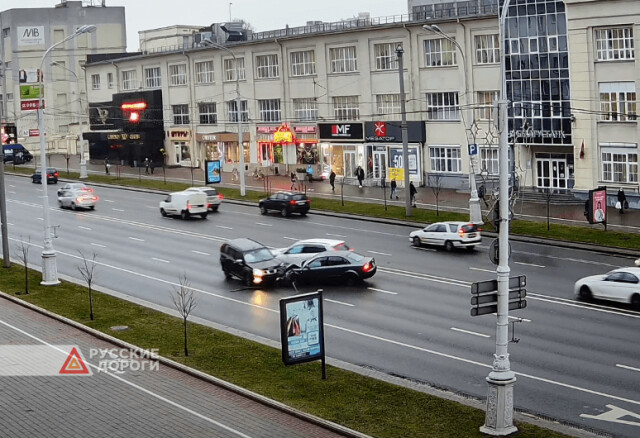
(75, 199)
(75, 186)
(302, 250)
(214, 199)
(448, 235)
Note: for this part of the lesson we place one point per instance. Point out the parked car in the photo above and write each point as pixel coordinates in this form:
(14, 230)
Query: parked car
(249, 261)
(76, 198)
(52, 176)
(302, 250)
(214, 199)
(449, 235)
(75, 186)
(286, 203)
(184, 204)
(344, 267)
(621, 285)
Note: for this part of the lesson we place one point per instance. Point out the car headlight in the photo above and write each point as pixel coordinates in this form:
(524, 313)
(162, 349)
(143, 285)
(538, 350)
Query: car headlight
(258, 272)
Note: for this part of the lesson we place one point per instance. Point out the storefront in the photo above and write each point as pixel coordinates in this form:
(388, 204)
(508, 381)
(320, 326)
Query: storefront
(209, 146)
(341, 148)
(180, 146)
(284, 145)
(228, 150)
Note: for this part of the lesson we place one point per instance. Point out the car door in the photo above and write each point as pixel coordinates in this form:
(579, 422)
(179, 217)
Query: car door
(65, 198)
(611, 287)
(270, 202)
(337, 268)
(315, 269)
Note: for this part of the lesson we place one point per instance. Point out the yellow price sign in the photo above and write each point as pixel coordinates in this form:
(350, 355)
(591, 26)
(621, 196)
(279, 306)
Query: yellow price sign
(396, 173)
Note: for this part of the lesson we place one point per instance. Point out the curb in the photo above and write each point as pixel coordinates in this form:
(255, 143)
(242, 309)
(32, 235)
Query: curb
(333, 427)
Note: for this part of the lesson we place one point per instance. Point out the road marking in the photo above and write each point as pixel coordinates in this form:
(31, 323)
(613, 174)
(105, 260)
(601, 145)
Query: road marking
(222, 226)
(289, 238)
(40, 219)
(339, 302)
(626, 367)
(572, 303)
(116, 209)
(152, 206)
(529, 264)
(200, 252)
(382, 291)
(9, 223)
(421, 276)
(107, 200)
(11, 185)
(136, 239)
(160, 260)
(98, 245)
(482, 270)
(380, 253)
(335, 235)
(84, 228)
(469, 333)
(568, 259)
(263, 224)
(11, 192)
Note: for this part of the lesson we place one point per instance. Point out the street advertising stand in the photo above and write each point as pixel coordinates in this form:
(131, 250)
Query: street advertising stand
(213, 174)
(596, 206)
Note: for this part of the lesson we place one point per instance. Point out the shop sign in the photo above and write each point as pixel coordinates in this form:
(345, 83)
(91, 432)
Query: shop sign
(180, 134)
(30, 35)
(531, 134)
(391, 132)
(29, 92)
(341, 131)
(283, 134)
(304, 129)
(206, 137)
(123, 136)
(34, 133)
(30, 105)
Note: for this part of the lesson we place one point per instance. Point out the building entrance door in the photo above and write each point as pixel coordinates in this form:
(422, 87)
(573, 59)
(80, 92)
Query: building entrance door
(552, 173)
(379, 164)
(349, 163)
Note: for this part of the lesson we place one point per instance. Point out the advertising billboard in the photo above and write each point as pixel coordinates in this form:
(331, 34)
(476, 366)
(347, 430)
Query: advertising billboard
(395, 159)
(598, 206)
(302, 328)
(213, 175)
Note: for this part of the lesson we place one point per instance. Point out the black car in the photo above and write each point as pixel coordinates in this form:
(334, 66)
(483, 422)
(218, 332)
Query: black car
(286, 203)
(345, 267)
(52, 176)
(249, 261)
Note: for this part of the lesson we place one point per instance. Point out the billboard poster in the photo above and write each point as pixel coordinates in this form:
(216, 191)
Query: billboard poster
(302, 328)
(396, 159)
(213, 174)
(598, 206)
(29, 92)
(30, 35)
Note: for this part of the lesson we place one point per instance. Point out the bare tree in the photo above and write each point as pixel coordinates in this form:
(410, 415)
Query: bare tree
(87, 270)
(435, 183)
(22, 254)
(185, 302)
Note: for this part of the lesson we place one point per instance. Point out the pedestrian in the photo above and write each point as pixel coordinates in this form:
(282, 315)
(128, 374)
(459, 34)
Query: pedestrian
(332, 181)
(107, 166)
(394, 189)
(360, 175)
(152, 166)
(146, 166)
(622, 201)
(412, 193)
(293, 180)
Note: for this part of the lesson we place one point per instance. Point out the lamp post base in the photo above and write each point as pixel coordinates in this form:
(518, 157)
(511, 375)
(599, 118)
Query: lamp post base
(475, 211)
(49, 269)
(499, 414)
(83, 171)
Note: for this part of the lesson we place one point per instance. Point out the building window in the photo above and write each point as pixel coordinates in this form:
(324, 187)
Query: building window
(387, 104)
(343, 59)
(207, 112)
(487, 49)
(233, 111)
(489, 160)
(484, 102)
(443, 106)
(178, 74)
(152, 77)
(180, 114)
(267, 66)
(230, 69)
(445, 159)
(129, 79)
(439, 52)
(110, 80)
(618, 101)
(95, 82)
(306, 110)
(346, 108)
(619, 162)
(614, 44)
(386, 58)
(303, 63)
(269, 110)
(204, 72)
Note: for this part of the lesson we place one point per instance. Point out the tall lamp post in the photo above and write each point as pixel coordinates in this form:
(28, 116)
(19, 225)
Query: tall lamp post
(405, 134)
(208, 42)
(475, 213)
(49, 267)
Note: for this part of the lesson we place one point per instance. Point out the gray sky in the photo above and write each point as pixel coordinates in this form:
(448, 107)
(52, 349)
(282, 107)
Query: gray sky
(261, 14)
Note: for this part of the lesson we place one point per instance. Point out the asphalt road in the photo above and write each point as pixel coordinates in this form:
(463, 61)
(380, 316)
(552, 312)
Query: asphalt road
(573, 360)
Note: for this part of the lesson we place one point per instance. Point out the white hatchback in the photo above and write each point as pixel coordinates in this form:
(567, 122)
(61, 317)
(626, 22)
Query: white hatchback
(449, 235)
(214, 199)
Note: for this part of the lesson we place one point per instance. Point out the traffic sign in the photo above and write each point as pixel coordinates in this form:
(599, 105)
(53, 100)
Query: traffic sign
(514, 305)
(473, 149)
(494, 252)
(492, 285)
(479, 300)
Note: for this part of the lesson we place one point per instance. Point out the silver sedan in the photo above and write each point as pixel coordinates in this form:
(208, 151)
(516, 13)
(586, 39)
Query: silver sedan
(75, 199)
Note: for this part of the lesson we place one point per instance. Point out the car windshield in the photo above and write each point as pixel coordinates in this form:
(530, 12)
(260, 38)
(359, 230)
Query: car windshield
(258, 255)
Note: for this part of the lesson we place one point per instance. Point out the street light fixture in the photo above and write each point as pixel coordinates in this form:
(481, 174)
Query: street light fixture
(210, 43)
(475, 212)
(49, 267)
(405, 134)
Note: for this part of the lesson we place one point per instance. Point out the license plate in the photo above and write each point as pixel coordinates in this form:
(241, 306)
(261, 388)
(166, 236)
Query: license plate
(301, 202)
(472, 235)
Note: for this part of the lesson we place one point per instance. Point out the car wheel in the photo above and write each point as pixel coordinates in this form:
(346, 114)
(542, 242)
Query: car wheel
(635, 301)
(263, 209)
(248, 279)
(214, 208)
(163, 213)
(184, 214)
(448, 245)
(471, 248)
(93, 207)
(303, 213)
(351, 280)
(203, 215)
(60, 204)
(227, 275)
(284, 212)
(416, 242)
(73, 206)
(585, 293)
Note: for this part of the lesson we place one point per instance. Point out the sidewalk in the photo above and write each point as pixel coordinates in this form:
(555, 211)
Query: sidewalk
(448, 199)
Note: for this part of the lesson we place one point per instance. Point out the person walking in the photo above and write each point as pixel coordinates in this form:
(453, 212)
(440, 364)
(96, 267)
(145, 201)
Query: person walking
(413, 192)
(107, 166)
(146, 166)
(152, 167)
(622, 201)
(293, 181)
(360, 176)
(332, 181)
(394, 189)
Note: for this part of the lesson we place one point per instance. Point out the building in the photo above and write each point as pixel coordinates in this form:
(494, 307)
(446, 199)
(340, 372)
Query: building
(25, 36)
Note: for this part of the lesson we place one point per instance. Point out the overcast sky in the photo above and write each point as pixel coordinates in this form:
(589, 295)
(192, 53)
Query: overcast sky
(261, 14)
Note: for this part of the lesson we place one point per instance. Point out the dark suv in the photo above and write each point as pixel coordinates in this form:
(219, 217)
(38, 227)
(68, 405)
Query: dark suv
(286, 203)
(249, 261)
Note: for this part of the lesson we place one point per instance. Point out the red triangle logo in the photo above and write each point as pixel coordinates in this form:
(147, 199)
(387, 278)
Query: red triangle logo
(74, 364)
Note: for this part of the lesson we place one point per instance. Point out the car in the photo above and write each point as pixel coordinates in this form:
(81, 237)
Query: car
(249, 261)
(637, 262)
(302, 250)
(286, 203)
(76, 198)
(16, 153)
(184, 204)
(214, 199)
(621, 285)
(52, 176)
(75, 186)
(333, 266)
(449, 235)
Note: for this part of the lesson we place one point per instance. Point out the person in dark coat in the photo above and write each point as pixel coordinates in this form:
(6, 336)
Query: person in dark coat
(107, 166)
(412, 193)
(360, 175)
(622, 199)
(332, 181)
(394, 189)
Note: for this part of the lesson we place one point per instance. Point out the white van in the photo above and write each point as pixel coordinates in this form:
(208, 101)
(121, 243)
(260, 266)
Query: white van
(184, 204)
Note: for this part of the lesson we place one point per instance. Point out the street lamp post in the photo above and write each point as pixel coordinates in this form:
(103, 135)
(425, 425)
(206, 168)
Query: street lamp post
(49, 267)
(475, 212)
(405, 134)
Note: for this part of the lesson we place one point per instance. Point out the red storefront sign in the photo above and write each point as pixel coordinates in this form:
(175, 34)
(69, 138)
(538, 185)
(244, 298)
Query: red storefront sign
(30, 105)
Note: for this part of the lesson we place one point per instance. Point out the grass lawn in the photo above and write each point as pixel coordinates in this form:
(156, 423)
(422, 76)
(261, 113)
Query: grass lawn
(365, 404)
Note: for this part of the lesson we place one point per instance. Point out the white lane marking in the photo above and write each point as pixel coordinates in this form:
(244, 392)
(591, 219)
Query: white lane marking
(11, 192)
(84, 228)
(117, 209)
(529, 264)
(222, 226)
(289, 238)
(335, 235)
(263, 224)
(200, 252)
(339, 302)
(380, 253)
(626, 367)
(11, 185)
(98, 245)
(160, 260)
(382, 291)
(152, 206)
(40, 219)
(9, 223)
(133, 385)
(107, 200)
(469, 332)
(428, 277)
(136, 239)
(568, 259)
(493, 271)
(571, 303)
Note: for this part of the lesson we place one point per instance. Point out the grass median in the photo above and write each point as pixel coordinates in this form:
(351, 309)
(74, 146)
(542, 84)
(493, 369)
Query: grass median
(368, 405)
